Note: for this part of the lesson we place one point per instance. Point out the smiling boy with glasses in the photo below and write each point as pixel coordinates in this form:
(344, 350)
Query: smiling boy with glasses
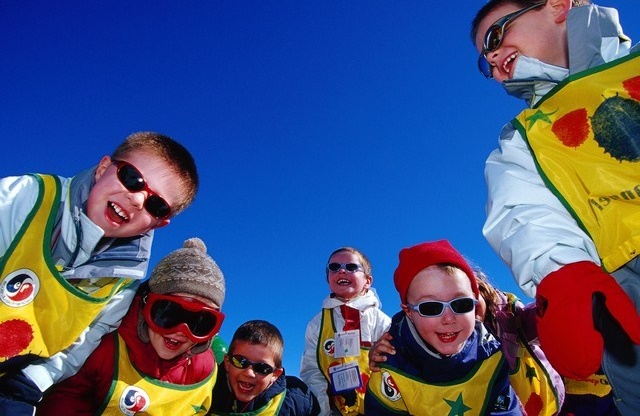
(337, 339)
(445, 361)
(563, 187)
(72, 253)
(253, 380)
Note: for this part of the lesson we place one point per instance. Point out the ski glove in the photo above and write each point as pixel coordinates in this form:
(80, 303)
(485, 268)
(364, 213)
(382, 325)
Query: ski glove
(580, 311)
(18, 395)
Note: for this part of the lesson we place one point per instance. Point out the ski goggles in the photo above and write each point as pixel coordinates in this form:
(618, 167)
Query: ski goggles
(495, 34)
(350, 267)
(166, 314)
(132, 179)
(239, 361)
(434, 308)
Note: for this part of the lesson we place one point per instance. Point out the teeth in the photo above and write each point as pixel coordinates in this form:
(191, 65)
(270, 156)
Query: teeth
(119, 211)
(343, 282)
(507, 61)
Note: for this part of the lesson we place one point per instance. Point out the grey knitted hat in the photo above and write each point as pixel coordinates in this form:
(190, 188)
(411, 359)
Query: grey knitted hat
(189, 270)
(186, 270)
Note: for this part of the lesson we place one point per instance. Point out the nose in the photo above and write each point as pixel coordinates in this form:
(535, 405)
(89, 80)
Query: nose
(137, 198)
(447, 315)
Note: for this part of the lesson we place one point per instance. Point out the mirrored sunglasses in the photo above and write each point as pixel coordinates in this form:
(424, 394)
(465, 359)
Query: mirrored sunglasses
(350, 267)
(434, 308)
(494, 35)
(238, 361)
(133, 181)
(166, 314)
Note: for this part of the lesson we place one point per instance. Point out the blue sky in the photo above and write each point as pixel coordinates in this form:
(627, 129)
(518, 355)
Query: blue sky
(315, 125)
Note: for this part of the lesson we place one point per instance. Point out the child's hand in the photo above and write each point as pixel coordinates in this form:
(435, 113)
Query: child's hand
(568, 336)
(379, 349)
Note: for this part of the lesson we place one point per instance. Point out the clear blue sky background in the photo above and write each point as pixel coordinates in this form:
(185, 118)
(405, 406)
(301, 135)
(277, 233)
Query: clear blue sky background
(315, 124)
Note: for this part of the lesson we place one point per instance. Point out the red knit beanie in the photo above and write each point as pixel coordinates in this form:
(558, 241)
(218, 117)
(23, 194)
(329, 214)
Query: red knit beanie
(417, 258)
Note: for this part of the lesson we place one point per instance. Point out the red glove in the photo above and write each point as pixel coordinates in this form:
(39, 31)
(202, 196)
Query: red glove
(565, 317)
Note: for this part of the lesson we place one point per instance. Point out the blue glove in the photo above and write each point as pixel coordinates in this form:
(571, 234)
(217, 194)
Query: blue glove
(18, 395)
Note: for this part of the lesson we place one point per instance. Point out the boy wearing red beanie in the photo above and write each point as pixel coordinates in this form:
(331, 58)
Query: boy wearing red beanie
(445, 361)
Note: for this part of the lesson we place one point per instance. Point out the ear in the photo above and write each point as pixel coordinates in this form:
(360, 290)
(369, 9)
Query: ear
(559, 9)
(103, 165)
(369, 281)
(277, 372)
(406, 310)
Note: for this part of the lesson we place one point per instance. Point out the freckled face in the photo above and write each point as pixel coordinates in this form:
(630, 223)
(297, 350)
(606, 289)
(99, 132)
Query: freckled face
(120, 212)
(347, 285)
(448, 332)
(245, 383)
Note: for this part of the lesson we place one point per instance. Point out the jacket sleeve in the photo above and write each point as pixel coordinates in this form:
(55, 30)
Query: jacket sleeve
(310, 373)
(46, 372)
(18, 195)
(83, 393)
(526, 224)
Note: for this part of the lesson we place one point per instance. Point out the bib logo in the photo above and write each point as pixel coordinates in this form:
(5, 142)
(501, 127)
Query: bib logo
(389, 388)
(19, 288)
(329, 347)
(134, 400)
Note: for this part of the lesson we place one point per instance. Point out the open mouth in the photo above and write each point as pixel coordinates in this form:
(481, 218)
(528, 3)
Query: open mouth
(447, 336)
(343, 282)
(172, 343)
(508, 63)
(117, 213)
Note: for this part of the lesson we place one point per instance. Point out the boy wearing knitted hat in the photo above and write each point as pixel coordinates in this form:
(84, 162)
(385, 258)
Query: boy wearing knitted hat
(445, 362)
(165, 336)
(337, 339)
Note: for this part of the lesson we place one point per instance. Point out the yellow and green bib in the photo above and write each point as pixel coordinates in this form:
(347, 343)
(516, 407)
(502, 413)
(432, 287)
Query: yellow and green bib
(41, 313)
(326, 359)
(133, 393)
(585, 138)
(401, 392)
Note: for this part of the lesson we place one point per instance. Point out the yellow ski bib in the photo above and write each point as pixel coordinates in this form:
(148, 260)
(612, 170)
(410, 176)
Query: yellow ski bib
(325, 354)
(402, 393)
(530, 379)
(134, 393)
(585, 138)
(41, 313)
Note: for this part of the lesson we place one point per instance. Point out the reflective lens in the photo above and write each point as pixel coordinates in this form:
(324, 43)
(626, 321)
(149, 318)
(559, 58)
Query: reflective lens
(238, 361)
(433, 308)
(167, 314)
(132, 179)
(494, 35)
(350, 267)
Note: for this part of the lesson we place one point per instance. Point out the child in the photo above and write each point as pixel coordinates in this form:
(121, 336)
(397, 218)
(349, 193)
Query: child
(444, 362)
(337, 339)
(253, 380)
(166, 335)
(94, 232)
(538, 385)
(563, 201)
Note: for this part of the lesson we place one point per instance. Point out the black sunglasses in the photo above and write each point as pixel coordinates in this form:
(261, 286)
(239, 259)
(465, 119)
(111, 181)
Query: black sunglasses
(132, 179)
(494, 35)
(433, 308)
(238, 361)
(350, 267)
